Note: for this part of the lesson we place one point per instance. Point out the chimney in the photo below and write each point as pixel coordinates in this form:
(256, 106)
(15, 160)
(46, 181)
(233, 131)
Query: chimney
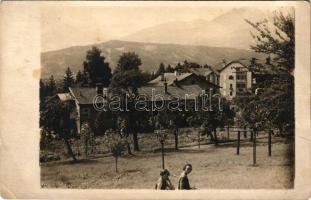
(165, 86)
(268, 60)
(99, 89)
(162, 77)
(105, 93)
(177, 73)
(176, 82)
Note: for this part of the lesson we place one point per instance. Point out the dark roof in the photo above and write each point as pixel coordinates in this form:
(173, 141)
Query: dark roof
(172, 91)
(86, 95)
(171, 78)
(82, 94)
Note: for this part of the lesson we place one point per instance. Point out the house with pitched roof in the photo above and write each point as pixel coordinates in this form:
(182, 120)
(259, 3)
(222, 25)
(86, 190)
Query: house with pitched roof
(234, 79)
(183, 79)
(83, 97)
(208, 73)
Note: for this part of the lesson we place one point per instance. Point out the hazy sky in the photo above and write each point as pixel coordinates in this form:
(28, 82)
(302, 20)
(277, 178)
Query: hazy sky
(72, 26)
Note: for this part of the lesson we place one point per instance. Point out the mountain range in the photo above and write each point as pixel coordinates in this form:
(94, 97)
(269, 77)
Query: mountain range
(202, 41)
(152, 54)
(227, 30)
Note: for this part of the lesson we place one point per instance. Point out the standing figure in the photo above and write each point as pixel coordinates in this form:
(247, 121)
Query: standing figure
(183, 183)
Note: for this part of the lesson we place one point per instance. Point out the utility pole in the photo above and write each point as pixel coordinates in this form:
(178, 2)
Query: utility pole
(238, 143)
(269, 142)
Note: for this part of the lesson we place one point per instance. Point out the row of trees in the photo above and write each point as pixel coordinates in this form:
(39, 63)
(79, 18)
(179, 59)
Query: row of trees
(180, 67)
(96, 70)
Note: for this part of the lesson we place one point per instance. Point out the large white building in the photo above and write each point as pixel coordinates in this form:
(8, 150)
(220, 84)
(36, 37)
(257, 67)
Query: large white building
(234, 79)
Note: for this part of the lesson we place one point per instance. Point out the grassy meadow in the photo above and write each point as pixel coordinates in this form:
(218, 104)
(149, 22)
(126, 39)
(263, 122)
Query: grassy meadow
(213, 167)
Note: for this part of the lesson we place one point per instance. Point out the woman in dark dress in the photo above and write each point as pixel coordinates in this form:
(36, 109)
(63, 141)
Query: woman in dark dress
(183, 183)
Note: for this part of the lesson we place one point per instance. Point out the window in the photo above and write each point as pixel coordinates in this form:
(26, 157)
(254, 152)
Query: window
(231, 77)
(85, 112)
(230, 93)
(241, 76)
(230, 86)
(212, 79)
(241, 85)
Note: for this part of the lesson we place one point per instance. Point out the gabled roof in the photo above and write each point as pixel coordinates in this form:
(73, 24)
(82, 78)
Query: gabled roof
(86, 95)
(83, 95)
(169, 77)
(235, 61)
(245, 62)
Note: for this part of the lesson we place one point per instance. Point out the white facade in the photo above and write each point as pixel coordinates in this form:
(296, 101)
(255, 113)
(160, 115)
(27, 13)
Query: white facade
(234, 80)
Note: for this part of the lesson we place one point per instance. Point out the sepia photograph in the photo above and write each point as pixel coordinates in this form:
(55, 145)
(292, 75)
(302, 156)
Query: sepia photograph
(147, 100)
(139, 98)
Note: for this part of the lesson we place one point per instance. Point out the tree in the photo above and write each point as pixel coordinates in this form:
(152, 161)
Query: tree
(194, 120)
(98, 70)
(123, 127)
(278, 42)
(229, 116)
(68, 79)
(42, 93)
(169, 69)
(127, 75)
(128, 61)
(250, 111)
(161, 69)
(279, 114)
(126, 80)
(216, 117)
(79, 77)
(115, 145)
(187, 65)
(153, 75)
(176, 119)
(104, 121)
(85, 75)
(87, 136)
(146, 77)
(56, 119)
(51, 87)
(178, 67)
(161, 124)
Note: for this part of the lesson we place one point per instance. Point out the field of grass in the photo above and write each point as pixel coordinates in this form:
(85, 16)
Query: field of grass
(213, 167)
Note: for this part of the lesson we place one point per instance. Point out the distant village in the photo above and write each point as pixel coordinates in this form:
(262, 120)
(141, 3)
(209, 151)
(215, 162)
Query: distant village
(232, 79)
